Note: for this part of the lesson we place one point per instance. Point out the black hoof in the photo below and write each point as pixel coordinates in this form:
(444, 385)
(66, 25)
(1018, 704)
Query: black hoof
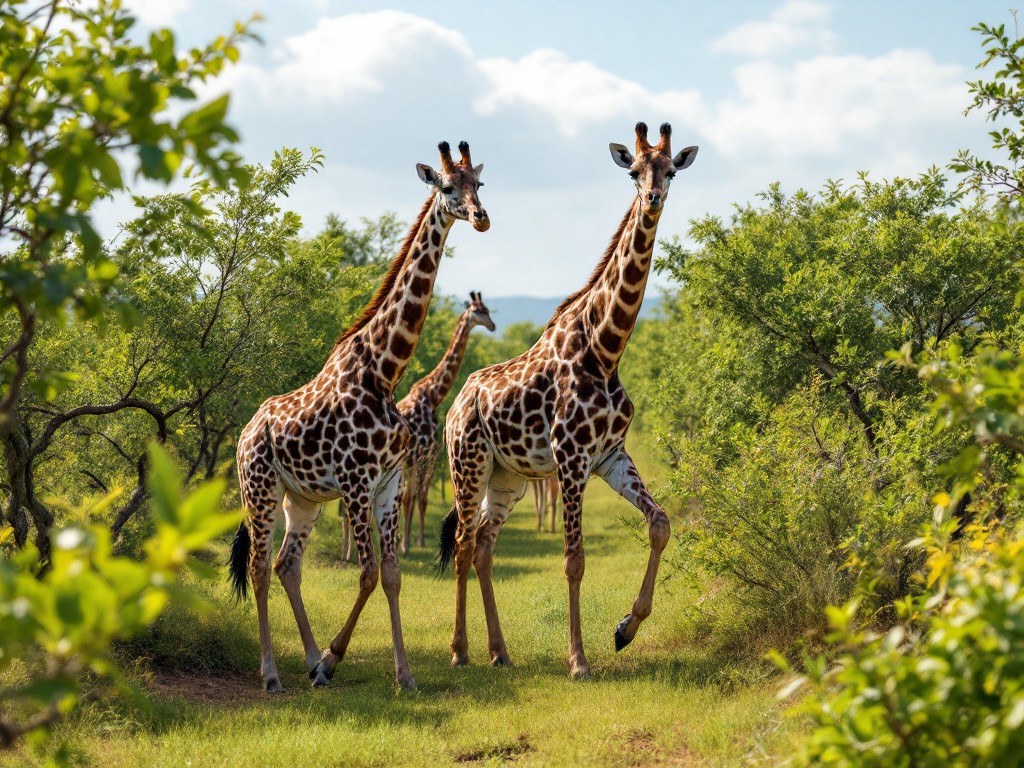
(321, 676)
(273, 685)
(501, 661)
(621, 641)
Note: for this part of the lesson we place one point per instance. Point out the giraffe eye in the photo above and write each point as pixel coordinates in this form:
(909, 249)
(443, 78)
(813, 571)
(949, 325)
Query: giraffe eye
(447, 190)
(634, 175)
(670, 176)
(479, 184)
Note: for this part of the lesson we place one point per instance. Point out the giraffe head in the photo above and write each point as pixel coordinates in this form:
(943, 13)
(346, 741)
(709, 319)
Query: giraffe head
(457, 185)
(478, 312)
(653, 167)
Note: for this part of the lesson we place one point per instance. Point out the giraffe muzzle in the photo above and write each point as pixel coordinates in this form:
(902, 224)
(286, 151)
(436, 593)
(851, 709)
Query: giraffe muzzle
(481, 221)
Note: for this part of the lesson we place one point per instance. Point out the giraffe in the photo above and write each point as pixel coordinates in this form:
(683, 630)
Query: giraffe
(560, 408)
(419, 408)
(545, 496)
(340, 436)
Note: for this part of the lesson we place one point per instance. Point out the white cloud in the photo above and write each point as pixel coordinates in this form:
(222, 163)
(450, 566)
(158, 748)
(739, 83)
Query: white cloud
(157, 13)
(572, 93)
(796, 24)
(821, 104)
(360, 51)
(344, 57)
(376, 90)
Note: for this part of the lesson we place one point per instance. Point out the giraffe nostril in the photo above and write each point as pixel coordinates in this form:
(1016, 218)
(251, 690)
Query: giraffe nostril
(479, 214)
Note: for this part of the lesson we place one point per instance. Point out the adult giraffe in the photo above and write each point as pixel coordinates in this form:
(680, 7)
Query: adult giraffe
(419, 408)
(560, 408)
(340, 436)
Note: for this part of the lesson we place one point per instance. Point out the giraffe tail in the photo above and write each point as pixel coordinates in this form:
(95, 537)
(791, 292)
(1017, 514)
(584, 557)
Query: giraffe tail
(238, 563)
(446, 541)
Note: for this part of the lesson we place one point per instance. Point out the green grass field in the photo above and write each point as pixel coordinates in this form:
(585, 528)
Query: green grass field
(659, 702)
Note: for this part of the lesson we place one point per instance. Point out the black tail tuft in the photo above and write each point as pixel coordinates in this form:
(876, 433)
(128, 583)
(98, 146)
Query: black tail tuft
(238, 563)
(446, 541)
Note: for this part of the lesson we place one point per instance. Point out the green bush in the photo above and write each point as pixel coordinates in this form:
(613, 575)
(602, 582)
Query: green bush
(57, 628)
(944, 689)
(945, 686)
(792, 523)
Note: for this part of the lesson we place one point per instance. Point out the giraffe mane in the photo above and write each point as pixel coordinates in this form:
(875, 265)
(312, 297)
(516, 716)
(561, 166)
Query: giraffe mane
(601, 265)
(389, 279)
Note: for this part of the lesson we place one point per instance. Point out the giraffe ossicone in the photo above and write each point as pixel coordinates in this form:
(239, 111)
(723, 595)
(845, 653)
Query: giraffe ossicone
(340, 436)
(560, 409)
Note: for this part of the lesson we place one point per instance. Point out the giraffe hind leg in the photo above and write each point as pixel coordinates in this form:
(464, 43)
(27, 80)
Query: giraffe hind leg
(471, 464)
(262, 521)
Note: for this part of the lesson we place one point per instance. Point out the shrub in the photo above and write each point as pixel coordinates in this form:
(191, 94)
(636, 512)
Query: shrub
(946, 688)
(58, 627)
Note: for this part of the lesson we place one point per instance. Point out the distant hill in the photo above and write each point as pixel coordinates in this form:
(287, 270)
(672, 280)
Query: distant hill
(509, 310)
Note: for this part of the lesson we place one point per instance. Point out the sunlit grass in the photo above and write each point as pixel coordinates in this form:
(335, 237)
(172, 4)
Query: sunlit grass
(660, 702)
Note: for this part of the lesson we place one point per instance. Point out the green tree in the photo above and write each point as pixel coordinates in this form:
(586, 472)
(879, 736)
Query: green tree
(82, 103)
(235, 305)
(1002, 100)
(829, 283)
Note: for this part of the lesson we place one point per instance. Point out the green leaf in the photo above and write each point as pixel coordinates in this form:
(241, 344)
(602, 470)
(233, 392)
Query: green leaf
(206, 118)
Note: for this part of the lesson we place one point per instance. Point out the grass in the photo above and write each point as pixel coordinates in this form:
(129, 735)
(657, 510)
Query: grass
(661, 701)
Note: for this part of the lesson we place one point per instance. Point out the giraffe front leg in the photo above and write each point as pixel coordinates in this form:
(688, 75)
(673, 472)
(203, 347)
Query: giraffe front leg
(423, 492)
(346, 533)
(300, 515)
(573, 473)
(503, 491)
(621, 474)
(386, 509)
(359, 506)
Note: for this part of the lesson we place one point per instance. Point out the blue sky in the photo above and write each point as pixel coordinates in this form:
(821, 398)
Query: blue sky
(795, 91)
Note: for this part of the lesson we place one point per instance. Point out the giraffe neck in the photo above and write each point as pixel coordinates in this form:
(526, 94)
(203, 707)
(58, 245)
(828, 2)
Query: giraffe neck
(439, 381)
(394, 319)
(615, 298)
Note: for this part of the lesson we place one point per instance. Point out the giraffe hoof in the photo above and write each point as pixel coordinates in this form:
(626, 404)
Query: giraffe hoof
(582, 672)
(501, 660)
(321, 675)
(621, 641)
(273, 685)
(460, 659)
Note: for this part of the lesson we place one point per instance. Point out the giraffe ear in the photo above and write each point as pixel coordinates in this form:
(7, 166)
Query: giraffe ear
(427, 174)
(478, 170)
(685, 158)
(621, 155)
